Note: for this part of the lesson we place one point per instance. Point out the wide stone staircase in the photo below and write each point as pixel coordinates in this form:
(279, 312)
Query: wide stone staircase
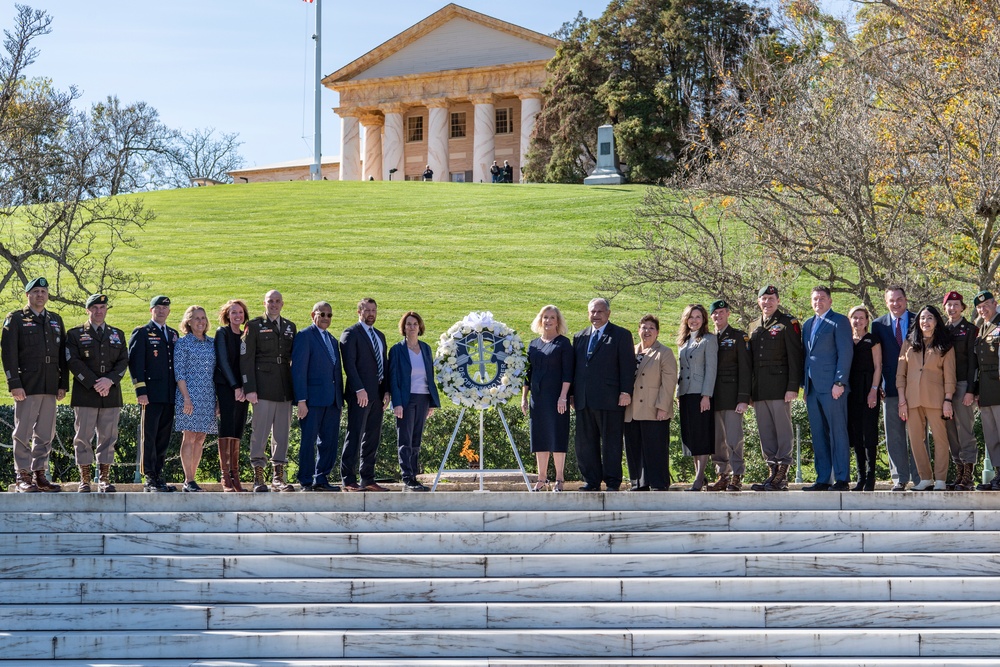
(245, 580)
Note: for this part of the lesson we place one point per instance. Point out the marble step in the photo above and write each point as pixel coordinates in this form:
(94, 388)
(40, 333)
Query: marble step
(503, 616)
(500, 566)
(500, 522)
(728, 661)
(474, 543)
(493, 502)
(621, 643)
(738, 589)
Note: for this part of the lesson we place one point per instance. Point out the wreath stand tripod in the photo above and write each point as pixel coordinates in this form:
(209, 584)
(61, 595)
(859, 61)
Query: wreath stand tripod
(482, 472)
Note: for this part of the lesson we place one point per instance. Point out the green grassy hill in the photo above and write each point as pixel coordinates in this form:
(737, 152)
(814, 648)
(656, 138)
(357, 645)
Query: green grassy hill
(441, 249)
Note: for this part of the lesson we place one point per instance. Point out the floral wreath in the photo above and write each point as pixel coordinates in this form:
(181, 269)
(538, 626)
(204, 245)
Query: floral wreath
(480, 362)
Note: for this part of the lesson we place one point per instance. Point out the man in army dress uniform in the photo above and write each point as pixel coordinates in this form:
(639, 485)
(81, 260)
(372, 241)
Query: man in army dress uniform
(987, 388)
(265, 363)
(98, 360)
(151, 364)
(33, 347)
(732, 396)
(961, 436)
(776, 352)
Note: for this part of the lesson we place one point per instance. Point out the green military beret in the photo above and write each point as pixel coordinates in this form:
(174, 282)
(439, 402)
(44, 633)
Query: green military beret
(985, 295)
(97, 300)
(768, 289)
(37, 282)
(719, 303)
(159, 301)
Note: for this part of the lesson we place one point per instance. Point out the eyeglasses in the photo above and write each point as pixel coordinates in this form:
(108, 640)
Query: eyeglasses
(324, 314)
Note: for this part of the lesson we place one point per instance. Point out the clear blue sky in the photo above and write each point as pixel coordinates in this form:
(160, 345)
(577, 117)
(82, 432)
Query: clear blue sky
(241, 66)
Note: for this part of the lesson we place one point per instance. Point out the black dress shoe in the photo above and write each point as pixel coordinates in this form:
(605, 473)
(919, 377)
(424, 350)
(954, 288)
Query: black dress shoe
(659, 488)
(841, 486)
(306, 488)
(163, 487)
(326, 487)
(192, 487)
(818, 486)
(588, 487)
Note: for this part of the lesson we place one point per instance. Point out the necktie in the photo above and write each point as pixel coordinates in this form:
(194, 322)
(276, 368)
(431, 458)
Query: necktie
(329, 347)
(815, 328)
(899, 333)
(593, 343)
(378, 354)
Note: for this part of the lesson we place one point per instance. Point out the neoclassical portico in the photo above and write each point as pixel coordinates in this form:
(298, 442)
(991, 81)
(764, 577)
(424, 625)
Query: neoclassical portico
(454, 92)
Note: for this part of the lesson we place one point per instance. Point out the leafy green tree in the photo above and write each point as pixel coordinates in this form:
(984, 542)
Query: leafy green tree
(648, 67)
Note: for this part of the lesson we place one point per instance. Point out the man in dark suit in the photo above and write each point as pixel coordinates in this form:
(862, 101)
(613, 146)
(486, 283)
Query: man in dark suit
(151, 364)
(319, 389)
(891, 330)
(829, 349)
(363, 352)
(98, 360)
(987, 387)
(602, 388)
(730, 400)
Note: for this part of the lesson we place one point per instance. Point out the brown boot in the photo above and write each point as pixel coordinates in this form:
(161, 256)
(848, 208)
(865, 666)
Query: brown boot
(963, 482)
(44, 484)
(259, 485)
(224, 472)
(780, 480)
(721, 484)
(762, 486)
(278, 482)
(25, 484)
(104, 484)
(234, 464)
(736, 484)
(84, 486)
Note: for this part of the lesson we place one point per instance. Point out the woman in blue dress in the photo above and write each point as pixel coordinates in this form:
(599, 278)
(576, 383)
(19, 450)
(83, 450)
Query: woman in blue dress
(550, 373)
(194, 406)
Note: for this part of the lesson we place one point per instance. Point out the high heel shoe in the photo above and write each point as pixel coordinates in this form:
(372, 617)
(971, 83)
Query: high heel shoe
(541, 484)
(558, 486)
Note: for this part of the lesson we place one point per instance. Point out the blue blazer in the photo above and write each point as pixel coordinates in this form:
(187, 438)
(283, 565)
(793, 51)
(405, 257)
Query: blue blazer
(829, 354)
(316, 378)
(399, 374)
(882, 329)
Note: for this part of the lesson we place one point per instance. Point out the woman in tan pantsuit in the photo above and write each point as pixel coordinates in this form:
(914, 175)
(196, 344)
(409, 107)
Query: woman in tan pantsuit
(647, 417)
(926, 382)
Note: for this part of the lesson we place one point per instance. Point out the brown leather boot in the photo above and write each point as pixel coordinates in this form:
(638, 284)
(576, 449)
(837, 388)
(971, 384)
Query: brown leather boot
(259, 485)
(278, 482)
(84, 486)
(762, 486)
(44, 484)
(963, 481)
(234, 464)
(25, 483)
(224, 472)
(721, 484)
(104, 484)
(736, 484)
(780, 480)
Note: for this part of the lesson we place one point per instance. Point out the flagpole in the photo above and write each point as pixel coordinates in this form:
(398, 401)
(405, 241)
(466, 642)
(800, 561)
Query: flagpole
(315, 169)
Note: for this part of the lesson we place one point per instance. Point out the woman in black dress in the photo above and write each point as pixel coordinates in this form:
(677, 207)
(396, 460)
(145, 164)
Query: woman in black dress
(863, 399)
(550, 373)
(229, 391)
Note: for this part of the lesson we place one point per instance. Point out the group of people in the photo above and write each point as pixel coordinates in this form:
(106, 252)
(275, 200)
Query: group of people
(927, 370)
(200, 385)
(504, 174)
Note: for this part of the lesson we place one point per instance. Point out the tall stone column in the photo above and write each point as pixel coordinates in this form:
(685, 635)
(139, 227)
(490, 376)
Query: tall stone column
(531, 105)
(373, 146)
(392, 142)
(350, 145)
(438, 129)
(484, 138)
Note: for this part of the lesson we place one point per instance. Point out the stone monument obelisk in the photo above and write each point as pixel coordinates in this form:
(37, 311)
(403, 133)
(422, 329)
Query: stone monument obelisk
(606, 173)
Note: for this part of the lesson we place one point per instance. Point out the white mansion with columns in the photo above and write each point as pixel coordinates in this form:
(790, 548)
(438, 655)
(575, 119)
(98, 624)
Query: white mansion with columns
(456, 91)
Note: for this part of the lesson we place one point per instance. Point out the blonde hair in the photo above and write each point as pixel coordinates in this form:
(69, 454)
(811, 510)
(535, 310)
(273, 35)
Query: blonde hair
(861, 309)
(185, 324)
(536, 324)
(224, 311)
